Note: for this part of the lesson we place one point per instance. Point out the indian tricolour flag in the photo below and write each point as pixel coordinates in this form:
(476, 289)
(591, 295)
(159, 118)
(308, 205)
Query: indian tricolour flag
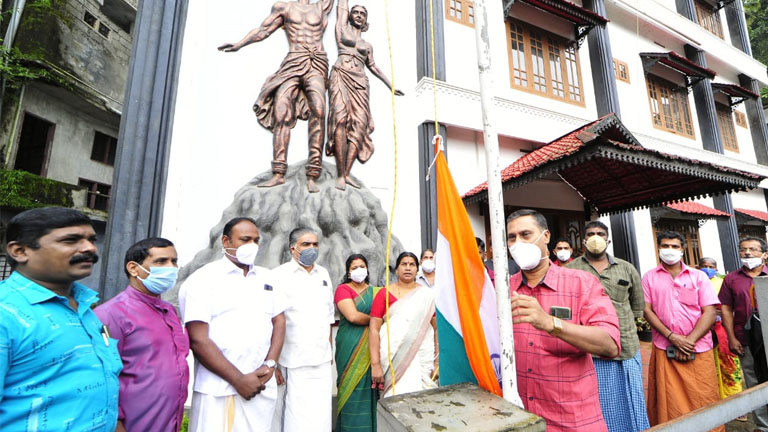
(467, 323)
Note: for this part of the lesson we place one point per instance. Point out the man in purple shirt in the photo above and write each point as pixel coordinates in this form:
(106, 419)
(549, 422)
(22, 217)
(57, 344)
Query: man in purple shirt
(151, 341)
(737, 308)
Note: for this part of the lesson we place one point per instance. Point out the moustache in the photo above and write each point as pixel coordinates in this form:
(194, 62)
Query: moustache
(86, 257)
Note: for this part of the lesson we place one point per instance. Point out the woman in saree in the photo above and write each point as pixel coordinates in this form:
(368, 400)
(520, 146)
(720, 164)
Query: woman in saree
(356, 409)
(406, 347)
(350, 123)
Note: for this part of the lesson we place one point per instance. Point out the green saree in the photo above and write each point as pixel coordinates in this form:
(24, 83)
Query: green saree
(356, 399)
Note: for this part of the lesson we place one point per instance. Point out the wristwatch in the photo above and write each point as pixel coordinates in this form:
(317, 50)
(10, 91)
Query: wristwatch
(270, 364)
(557, 326)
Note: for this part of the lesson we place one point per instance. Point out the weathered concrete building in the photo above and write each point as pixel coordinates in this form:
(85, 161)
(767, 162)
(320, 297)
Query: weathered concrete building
(62, 101)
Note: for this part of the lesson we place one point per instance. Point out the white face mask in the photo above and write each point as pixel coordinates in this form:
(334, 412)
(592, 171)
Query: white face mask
(563, 255)
(670, 256)
(751, 263)
(359, 274)
(245, 254)
(527, 255)
(428, 266)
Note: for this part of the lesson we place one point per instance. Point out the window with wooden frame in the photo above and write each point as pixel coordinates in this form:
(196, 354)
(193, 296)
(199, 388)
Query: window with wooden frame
(460, 11)
(620, 70)
(98, 194)
(104, 148)
(741, 119)
(669, 106)
(689, 229)
(727, 131)
(543, 63)
(709, 18)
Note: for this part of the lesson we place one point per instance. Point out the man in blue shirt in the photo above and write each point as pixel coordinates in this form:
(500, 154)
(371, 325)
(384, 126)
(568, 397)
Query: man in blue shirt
(58, 365)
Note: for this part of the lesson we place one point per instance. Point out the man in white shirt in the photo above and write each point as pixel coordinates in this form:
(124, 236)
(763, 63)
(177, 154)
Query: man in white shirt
(304, 402)
(236, 326)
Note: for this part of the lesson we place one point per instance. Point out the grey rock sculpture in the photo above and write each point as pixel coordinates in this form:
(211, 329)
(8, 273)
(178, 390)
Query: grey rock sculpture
(347, 222)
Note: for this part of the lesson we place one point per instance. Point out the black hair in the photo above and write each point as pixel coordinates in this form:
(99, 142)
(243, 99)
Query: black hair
(669, 235)
(27, 227)
(140, 250)
(404, 255)
(596, 224)
(425, 251)
(480, 243)
(231, 224)
(541, 221)
(293, 237)
(763, 245)
(351, 258)
(563, 240)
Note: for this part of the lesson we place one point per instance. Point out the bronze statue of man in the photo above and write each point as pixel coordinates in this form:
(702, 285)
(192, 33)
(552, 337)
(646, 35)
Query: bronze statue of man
(350, 122)
(297, 89)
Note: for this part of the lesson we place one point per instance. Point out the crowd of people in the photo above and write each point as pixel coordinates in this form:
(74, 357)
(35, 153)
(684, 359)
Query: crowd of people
(265, 350)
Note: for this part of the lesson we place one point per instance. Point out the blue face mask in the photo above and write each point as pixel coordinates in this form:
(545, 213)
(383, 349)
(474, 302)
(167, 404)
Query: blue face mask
(710, 272)
(160, 279)
(308, 256)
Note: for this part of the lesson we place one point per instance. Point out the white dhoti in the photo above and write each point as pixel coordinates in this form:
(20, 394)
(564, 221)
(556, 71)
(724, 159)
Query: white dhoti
(233, 413)
(304, 402)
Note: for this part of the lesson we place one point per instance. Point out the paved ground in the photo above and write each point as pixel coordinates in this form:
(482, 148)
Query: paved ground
(733, 426)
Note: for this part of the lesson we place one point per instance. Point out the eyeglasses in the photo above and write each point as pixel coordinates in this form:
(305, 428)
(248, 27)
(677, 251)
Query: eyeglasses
(751, 250)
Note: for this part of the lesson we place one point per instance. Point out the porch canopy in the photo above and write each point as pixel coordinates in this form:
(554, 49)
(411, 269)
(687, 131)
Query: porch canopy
(696, 210)
(754, 215)
(613, 172)
(582, 19)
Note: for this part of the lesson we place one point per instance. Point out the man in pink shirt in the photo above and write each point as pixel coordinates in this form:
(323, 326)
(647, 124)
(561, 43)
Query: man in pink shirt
(561, 316)
(680, 307)
(151, 341)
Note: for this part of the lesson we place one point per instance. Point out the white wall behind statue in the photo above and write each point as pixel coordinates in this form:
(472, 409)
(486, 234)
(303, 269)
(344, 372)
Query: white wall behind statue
(218, 145)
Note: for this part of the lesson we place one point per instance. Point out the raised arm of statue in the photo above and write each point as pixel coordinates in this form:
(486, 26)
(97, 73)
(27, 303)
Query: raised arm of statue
(273, 22)
(342, 18)
(377, 72)
(327, 6)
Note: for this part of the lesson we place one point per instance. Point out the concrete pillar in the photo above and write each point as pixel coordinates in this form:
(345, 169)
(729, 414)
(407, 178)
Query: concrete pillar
(704, 99)
(145, 134)
(607, 97)
(428, 188)
(756, 119)
(709, 129)
(423, 40)
(454, 408)
(737, 26)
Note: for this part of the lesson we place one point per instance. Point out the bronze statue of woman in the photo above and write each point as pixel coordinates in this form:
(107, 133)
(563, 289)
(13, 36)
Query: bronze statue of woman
(350, 123)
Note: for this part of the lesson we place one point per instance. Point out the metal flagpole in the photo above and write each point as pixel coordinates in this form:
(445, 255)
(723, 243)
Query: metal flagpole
(496, 206)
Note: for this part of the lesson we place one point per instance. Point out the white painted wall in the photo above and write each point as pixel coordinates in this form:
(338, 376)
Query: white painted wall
(218, 145)
(70, 151)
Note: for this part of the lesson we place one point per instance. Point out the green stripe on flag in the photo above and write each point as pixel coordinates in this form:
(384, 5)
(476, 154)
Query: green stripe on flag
(454, 364)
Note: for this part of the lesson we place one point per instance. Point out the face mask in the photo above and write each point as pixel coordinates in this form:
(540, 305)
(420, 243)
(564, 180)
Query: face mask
(526, 255)
(245, 254)
(428, 266)
(596, 245)
(751, 263)
(359, 274)
(308, 256)
(160, 279)
(670, 256)
(563, 255)
(710, 272)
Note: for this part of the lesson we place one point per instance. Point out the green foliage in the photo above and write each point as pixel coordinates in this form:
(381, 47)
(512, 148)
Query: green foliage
(24, 190)
(18, 68)
(756, 12)
(184, 423)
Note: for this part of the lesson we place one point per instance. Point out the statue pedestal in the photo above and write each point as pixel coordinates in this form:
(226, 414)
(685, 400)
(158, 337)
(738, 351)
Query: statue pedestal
(459, 407)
